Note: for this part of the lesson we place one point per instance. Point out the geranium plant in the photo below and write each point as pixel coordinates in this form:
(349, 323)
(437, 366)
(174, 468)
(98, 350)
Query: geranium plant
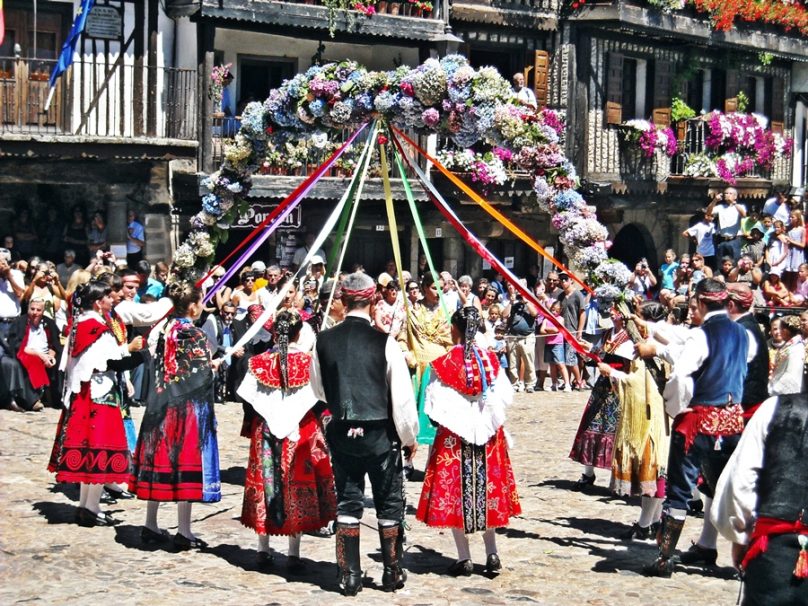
(650, 138)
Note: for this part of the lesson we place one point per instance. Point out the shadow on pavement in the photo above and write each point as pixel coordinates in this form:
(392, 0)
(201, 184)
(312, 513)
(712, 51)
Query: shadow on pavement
(422, 560)
(71, 491)
(233, 475)
(569, 485)
(56, 513)
(129, 536)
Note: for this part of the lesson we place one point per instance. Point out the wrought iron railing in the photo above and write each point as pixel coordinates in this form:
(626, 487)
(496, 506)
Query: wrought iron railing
(107, 98)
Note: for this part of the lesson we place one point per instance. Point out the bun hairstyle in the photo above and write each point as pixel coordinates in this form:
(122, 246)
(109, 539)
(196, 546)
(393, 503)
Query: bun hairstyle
(467, 321)
(653, 311)
(286, 328)
(182, 295)
(87, 294)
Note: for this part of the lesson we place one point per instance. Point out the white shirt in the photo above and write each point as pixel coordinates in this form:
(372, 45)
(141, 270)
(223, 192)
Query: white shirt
(733, 510)
(9, 302)
(143, 314)
(405, 413)
(37, 340)
(525, 96)
(703, 232)
(679, 388)
(787, 373)
(729, 219)
(778, 211)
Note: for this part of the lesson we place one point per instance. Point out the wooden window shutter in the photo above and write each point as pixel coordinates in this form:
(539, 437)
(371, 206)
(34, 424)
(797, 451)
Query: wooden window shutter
(614, 89)
(663, 78)
(731, 91)
(778, 105)
(541, 70)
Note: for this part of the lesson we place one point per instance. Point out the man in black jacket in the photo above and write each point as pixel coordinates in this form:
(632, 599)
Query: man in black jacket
(30, 361)
(361, 375)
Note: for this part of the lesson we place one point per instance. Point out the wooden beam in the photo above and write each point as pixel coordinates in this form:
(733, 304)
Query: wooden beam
(205, 34)
(151, 80)
(137, 79)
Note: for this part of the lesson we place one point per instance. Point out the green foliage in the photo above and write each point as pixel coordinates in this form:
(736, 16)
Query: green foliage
(681, 110)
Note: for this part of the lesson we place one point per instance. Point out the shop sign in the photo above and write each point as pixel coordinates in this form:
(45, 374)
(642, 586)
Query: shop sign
(257, 213)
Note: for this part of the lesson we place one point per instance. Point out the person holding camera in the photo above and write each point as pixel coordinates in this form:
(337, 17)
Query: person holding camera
(728, 214)
(702, 234)
(521, 316)
(46, 287)
(12, 287)
(642, 279)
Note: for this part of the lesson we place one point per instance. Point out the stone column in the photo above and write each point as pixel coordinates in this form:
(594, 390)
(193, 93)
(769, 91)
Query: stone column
(452, 254)
(116, 225)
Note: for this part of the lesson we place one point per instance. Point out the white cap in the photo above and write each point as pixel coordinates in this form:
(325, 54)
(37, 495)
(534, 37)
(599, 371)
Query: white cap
(317, 260)
(259, 266)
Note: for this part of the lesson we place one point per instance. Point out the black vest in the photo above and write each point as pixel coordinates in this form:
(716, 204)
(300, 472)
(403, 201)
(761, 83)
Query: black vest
(354, 371)
(783, 481)
(756, 384)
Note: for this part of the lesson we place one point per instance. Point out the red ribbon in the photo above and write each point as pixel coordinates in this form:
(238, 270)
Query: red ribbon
(495, 263)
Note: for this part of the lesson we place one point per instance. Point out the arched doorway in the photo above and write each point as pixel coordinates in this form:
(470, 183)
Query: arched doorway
(632, 243)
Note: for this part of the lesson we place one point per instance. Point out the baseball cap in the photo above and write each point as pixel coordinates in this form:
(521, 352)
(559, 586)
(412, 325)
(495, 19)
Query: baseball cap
(317, 260)
(259, 266)
(384, 279)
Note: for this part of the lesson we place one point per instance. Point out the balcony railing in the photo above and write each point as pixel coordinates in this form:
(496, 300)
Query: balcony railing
(103, 99)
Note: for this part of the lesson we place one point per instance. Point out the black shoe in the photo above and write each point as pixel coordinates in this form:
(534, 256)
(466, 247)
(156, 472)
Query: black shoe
(492, 564)
(88, 519)
(637, 532)
(107, 499)
(347, 546)
(392, 546)
(149, 536)
(584, 481)
(661, 567)
(264, 559)
(121, 495)
(182, 542)
(699, 555)
(461, 568)
(695, 508)
(669, 533)
(294, 565)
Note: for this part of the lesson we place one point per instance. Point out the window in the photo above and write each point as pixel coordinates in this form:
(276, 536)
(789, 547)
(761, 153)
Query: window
(638, 88)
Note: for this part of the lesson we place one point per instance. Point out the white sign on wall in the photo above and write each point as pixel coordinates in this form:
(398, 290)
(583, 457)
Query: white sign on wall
(104, 22)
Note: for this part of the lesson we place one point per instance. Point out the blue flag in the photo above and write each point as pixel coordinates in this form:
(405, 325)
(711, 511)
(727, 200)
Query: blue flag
(69, 47)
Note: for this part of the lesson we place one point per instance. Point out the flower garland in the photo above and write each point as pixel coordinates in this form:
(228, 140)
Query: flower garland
(650, 138)
(446, 97)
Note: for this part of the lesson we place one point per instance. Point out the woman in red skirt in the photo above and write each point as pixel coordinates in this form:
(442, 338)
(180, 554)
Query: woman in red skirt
(468, 483)
(177, 454)
(289, 488)
(90, 446)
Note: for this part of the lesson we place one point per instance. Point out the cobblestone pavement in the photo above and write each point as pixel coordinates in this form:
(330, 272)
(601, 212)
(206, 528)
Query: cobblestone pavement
(562, 550)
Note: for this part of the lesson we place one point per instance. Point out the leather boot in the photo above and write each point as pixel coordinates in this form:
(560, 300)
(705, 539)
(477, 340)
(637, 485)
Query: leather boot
(350, 574)
(392, 541)
(668, 538)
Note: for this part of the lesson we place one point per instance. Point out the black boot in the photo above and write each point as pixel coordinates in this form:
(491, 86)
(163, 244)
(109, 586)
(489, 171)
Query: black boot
(668, 537)
(392, 540)
(350, 574)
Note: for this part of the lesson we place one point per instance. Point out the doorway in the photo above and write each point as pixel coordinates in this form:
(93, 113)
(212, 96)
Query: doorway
(259, 75)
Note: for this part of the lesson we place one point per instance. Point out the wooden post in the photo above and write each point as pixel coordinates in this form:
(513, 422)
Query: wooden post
(137, 75)
(151, 95)
(205, 33)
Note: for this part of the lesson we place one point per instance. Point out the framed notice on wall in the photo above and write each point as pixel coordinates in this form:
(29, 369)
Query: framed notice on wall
(104, 22)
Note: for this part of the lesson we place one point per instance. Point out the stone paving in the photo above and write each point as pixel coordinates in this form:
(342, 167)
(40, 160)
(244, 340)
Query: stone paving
(562, 550)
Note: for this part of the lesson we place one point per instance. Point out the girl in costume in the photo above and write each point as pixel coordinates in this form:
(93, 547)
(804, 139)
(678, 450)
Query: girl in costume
(594, 441)
(177, 454)
(289, 488)
(468, 482)
(90, 446)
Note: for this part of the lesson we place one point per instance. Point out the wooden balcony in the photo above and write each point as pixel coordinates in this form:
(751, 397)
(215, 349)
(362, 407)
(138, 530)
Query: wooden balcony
(97, 105)
(522, 14)
(312, 18)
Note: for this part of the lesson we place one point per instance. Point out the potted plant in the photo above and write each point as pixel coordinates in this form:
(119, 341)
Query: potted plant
(425, 7)
(681, 112)
(220, 78)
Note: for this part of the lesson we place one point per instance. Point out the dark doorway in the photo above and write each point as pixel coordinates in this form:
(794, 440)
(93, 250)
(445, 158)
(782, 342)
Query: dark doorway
(503, 61)
(633, 243)
(258, 76)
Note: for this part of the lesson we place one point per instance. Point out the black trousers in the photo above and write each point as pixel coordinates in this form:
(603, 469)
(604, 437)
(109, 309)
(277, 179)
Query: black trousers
(382, 466)
(768, 579)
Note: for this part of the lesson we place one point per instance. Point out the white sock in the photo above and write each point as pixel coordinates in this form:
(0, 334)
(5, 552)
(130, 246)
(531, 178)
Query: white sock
(490, 540)
(658, 511)
(678, 514)
(94, 497)
(589, 470)
(294, 546)
(648, 510)
(263, 543)
(388, 523)
(83, 494)
(184, 519)
(709, 534)
(347, 520)
(462, 544)
(151, 515)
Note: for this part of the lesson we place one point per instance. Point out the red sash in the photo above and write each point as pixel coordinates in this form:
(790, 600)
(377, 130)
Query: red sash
(34, 366)
(759, 542)
(709, 420)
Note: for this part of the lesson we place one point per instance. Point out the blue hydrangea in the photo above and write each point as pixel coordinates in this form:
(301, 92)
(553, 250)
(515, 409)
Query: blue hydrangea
(313, 71)
(567, 199)
(317, 108)
(211, 205)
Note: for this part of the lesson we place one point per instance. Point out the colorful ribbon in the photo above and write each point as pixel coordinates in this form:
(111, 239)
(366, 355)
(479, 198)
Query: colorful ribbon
(478, 247)
(507, 223)
(276, 217)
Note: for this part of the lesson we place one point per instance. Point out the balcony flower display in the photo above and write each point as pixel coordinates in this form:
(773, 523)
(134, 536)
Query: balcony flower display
(650, 138)
(220, 78)
(486, 169)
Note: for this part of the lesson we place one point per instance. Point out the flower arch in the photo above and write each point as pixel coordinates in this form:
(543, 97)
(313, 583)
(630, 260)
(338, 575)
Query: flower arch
(446, 97)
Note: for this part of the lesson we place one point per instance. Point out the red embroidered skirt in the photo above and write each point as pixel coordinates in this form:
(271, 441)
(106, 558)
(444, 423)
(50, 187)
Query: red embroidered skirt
(468, 486)
(305, 492)
(90, 443)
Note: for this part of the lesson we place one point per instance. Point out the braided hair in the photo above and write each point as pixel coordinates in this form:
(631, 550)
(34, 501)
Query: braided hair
(285, 329)
(467, 321)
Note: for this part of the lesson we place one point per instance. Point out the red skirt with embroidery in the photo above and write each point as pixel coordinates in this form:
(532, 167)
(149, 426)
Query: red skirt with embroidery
(90, 443)
(468, 486)
(302, 496)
